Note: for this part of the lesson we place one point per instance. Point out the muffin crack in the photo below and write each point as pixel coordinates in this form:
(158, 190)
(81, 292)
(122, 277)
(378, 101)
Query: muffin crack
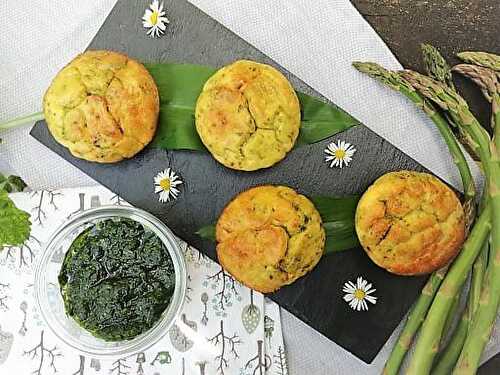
(248, 135)
(385, 234)
(259, 126)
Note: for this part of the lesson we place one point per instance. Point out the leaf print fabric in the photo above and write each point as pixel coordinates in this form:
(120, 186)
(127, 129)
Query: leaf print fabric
(224, 328)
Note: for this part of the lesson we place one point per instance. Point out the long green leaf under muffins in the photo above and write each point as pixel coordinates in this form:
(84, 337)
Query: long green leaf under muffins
(337, 214)
(179, 86)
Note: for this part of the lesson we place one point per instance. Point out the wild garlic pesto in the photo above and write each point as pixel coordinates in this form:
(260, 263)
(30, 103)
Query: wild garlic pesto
(116, 280)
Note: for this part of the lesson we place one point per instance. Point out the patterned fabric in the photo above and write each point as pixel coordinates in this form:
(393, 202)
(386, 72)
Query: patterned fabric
(225, 328)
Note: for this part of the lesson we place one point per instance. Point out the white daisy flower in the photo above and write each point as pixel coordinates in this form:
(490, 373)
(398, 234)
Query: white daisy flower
(154, 19)
(339, 154)
(357, 294)
(165, 185)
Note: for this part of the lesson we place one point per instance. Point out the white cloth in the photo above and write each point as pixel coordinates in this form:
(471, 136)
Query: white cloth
(315, 40)
(215, 306)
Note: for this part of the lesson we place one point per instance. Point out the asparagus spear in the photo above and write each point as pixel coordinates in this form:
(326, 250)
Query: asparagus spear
(22, 121)
(450, 101)
(477, 281)
(436, 65)
(419, 309)
(486, 313)
(488, 82)
(484, 318)
(448, 358)
(432, 328)
(398, 83)
(488, 60)
(415, 318)
(455, 304)
(437, 68)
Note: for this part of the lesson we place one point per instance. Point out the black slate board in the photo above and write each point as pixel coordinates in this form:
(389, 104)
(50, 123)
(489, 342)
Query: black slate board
(193, 37)
(492, 367)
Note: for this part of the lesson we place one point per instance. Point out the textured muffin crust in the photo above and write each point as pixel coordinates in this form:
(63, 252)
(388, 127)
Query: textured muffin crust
(269, 236)
(410, 223)
(248, 116)
(102, 106)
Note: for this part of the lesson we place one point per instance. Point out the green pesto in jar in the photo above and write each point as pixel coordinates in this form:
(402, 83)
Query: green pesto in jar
(117, 279)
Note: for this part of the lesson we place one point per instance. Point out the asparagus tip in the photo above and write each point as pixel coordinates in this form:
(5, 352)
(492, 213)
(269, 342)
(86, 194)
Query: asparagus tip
(485, 78)
(370, 68)
(364, 66)
(357, 64)
(436, 65)
(485, 59)
(427, 47)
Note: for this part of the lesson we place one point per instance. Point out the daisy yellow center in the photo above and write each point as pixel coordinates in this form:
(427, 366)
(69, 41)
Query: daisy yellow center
(339, 153)
(165, 184)
(154, 21)
(359, 294)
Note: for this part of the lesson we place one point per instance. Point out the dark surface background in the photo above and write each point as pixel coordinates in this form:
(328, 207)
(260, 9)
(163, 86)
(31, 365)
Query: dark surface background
(492, 367)
(452, 25)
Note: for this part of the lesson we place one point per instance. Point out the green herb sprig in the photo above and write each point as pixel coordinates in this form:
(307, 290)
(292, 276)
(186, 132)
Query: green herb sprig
(12, 184)
(15, 226)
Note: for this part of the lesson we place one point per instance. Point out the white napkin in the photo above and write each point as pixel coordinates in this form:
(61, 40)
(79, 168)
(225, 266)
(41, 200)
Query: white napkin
(218, 315)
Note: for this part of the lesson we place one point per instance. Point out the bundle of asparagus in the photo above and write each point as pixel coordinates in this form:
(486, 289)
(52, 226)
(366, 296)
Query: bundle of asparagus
(433, 313)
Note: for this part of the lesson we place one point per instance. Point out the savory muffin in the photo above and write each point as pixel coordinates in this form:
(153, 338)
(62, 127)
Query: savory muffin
(102, 106)
(410, 223)
(248, 116)
(269, 236)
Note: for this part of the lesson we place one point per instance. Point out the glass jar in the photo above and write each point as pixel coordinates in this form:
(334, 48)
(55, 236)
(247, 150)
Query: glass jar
(49, 298)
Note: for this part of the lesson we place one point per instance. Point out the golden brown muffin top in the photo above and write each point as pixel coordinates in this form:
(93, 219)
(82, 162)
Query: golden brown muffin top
(410, 223)
(269, 236)
(102, 106)
(248, 116)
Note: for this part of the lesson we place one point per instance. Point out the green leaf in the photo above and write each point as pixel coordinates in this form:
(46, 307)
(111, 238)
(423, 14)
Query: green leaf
(179, 86)
(11, 184)
(336, 208)
(337, 214)
(17, 182)
(15, 225)
(207, 232)
(321, 120)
